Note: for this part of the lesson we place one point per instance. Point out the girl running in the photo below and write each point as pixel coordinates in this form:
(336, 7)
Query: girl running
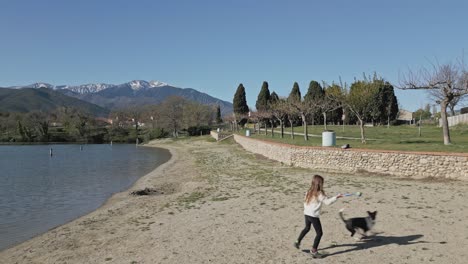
(313, 201)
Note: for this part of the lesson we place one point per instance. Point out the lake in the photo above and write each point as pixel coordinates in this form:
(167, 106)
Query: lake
(39, 192)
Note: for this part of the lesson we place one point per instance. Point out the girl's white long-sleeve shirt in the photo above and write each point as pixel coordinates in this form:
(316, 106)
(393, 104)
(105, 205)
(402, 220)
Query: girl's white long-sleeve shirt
(313, 208)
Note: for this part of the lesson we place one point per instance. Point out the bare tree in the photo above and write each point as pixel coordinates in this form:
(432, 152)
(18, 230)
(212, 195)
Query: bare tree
(196, 114)
(231, 120)
(292, 115)
(358, 99)
(304, 108)
(455, 102)
(327, 103)
(172, 111)
(279, 110)
(265, 116)
(40, 121)
(445, 83)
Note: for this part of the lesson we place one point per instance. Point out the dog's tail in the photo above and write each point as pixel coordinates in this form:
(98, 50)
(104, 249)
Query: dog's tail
(341, 215)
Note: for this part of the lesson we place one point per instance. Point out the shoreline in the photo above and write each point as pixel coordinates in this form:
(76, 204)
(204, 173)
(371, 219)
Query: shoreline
(222, 204)
(108, 202)
(139, 182)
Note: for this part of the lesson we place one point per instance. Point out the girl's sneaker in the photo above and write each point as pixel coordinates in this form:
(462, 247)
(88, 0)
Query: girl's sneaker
(297, 244)
(316, 254)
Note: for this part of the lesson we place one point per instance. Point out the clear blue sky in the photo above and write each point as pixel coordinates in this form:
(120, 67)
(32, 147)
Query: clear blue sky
(213, 46)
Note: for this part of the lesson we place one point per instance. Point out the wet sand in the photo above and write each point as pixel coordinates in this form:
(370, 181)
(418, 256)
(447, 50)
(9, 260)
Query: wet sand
(218, 203)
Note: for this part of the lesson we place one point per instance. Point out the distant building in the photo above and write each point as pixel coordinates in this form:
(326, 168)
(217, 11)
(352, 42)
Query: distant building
(405, 117)
(103, 120)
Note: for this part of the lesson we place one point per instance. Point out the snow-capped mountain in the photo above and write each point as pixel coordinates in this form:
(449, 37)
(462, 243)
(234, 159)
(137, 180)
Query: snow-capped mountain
(136, 92)
(157, 84)
(85, 88)
(35, 85)
(140, 84)
(96, 87)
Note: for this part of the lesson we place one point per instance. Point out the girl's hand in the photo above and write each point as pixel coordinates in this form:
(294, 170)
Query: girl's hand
(339, 195)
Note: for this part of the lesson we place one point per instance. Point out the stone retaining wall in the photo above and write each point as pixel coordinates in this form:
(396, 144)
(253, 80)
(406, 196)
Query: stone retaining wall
(214, 135)
(394, 163)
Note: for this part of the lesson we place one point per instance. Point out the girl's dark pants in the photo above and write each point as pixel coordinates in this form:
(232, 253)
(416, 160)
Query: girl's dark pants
(315, 221)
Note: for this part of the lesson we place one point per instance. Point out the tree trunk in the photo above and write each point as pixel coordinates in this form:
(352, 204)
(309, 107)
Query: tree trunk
(363, 136)
(304, 123)
(325, 120)
(272, 129)
(292, 129)
(445, 127)
(282, 128)
(388, 122)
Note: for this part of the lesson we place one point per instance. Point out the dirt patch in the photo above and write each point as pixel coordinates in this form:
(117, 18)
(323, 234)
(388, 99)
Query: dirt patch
(222, 204)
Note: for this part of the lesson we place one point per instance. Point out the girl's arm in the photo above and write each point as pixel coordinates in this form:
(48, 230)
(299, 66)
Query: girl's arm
(329, 200)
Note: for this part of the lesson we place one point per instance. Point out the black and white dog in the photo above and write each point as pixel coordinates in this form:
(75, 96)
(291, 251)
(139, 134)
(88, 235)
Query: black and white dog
(364, 224)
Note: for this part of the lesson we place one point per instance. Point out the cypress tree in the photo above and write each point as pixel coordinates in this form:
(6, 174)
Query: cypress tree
(274, 97)
(263, 98)
(390, 102)
(314, 92)
(295, 94)
(218, 115)
(240, 103)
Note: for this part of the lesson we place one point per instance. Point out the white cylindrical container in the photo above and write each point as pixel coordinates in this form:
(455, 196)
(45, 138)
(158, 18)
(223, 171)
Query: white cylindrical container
(247, 133)
(328, 139)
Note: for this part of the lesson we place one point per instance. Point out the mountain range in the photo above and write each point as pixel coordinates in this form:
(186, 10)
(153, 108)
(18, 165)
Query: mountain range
(136, 92)
(45, 100)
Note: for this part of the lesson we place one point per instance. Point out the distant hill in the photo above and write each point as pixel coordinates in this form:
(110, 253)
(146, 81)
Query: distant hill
(137, 92)
(43, 99)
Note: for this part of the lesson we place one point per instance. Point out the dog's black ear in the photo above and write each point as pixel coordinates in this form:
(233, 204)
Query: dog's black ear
(368, 212)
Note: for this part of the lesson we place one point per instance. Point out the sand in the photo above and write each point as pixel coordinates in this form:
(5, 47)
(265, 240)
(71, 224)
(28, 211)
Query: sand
(221, 204)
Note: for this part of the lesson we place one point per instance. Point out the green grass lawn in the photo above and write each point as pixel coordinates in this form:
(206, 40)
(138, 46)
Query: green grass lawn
(405, 138)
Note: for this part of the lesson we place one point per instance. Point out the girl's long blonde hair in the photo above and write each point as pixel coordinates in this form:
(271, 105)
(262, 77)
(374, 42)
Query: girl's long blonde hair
(316, 188)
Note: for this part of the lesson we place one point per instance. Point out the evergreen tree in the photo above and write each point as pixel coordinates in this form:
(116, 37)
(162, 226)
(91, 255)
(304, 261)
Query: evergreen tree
(274, 98)
(219, 120)
(240, 102)
(391, 102)
(295, 94)
(385, 105)
(263, 98)
(314, 92)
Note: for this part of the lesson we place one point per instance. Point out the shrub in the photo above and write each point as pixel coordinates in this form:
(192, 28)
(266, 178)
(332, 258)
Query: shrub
(198, 130)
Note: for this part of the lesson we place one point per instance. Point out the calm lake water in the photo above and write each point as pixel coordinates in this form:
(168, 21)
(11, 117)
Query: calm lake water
(39, 192)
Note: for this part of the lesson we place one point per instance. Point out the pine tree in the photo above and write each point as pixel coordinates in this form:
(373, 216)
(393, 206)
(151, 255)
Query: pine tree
(240, 102)
(314, 95)
(314, 92)
(295, 94)
(219, 120)
(274, 98)
(263, 98)
(390, 103)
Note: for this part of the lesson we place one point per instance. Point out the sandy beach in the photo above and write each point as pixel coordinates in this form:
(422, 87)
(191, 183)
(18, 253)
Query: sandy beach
(217, 203)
